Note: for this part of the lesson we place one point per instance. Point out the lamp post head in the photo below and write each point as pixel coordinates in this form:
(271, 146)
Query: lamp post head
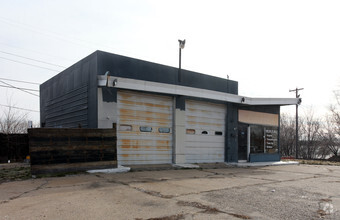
(181, 43)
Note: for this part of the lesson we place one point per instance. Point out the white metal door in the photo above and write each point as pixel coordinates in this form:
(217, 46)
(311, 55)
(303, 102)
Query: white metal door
(144, 128)
(205, 132)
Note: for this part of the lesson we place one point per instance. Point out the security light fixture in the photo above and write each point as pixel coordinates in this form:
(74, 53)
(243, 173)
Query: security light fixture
(114, 83)
(181, 43)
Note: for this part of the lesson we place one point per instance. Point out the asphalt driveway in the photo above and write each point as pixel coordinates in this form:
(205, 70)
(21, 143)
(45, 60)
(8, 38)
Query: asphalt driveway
(275, 192)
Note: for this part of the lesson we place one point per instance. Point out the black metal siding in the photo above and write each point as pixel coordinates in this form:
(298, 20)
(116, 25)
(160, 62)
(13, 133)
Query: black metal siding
(69, 99)
(127, 67)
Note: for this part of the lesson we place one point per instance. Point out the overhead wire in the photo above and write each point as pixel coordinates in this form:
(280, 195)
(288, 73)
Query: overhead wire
(36, 52)
(40, 61)
(14, 80)
(26, 109)
(16, 61)
(74, 41)
(18, 88)
(34, 90)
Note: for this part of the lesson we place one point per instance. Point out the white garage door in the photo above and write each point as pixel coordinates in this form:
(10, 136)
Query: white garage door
(205, 132)
(144, 128)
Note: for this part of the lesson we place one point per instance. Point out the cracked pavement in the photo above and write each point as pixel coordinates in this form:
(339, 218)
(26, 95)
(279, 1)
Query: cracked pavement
(276, 192)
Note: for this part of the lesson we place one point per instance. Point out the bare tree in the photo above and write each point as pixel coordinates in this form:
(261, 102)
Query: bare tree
(287, 135)
(330, 137)
(310, 138)
(13, 121)
(335, 111)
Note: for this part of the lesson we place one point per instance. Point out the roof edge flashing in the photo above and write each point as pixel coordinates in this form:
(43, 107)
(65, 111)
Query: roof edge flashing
(148, 86)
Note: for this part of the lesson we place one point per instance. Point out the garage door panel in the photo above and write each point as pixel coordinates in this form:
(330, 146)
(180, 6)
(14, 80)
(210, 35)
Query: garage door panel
(143, 98)
(136, 111)
(144, 114)
(162, 109)
(140, 142)
(208, 145)
(157, 123)
(204, 121)
(143, 105)
(194, 106)
(204, 126)
(205, 138)
(204, 114)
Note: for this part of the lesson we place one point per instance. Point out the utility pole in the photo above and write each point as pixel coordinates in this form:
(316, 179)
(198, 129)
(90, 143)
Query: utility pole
(297, 122)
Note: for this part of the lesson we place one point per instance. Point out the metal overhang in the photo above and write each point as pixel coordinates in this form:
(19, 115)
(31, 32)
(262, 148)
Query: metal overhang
(148, 86)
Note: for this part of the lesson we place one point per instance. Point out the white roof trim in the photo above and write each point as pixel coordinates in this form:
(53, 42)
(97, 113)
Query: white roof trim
(141, 85)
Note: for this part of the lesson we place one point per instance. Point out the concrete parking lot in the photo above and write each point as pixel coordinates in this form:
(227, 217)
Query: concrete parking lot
(272, 192)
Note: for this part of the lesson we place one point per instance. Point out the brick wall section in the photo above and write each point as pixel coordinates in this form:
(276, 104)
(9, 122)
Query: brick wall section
(71, 149)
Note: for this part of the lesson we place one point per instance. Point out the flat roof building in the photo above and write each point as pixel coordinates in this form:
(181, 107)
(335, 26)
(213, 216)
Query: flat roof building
(163, 117)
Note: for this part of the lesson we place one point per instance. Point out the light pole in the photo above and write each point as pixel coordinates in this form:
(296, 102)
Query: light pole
(181, 46)
(297, 121)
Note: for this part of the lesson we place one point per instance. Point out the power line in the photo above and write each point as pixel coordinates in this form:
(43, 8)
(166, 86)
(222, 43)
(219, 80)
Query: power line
(26, 109)
(29, 64)
(21, 25)
(35, 51)
(34, 90)
(70, 39)
(18, 88)
(14, 80)
(40, 61)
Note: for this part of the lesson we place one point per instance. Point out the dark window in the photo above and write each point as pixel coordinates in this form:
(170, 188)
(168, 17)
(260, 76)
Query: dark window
(218, 133)
(164, 130)
(204, 132)
(190, 131)
(145, 129)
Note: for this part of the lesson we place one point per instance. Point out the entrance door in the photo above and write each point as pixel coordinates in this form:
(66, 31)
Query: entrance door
(242, 141)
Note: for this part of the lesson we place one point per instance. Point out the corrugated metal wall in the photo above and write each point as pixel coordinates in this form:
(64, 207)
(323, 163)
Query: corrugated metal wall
(68, 110)
(205, 132)
(144, 128)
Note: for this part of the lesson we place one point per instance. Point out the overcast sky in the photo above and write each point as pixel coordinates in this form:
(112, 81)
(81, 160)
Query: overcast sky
(269, 46)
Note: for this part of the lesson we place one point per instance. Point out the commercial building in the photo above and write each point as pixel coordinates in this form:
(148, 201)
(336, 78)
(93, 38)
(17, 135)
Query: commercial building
(161, 116)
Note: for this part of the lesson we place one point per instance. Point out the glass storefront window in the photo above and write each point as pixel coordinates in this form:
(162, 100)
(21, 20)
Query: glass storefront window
(263, 139)
(270, 136)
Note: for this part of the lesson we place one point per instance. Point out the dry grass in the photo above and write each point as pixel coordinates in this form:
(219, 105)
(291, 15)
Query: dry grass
(316, 162)
(15, 173)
